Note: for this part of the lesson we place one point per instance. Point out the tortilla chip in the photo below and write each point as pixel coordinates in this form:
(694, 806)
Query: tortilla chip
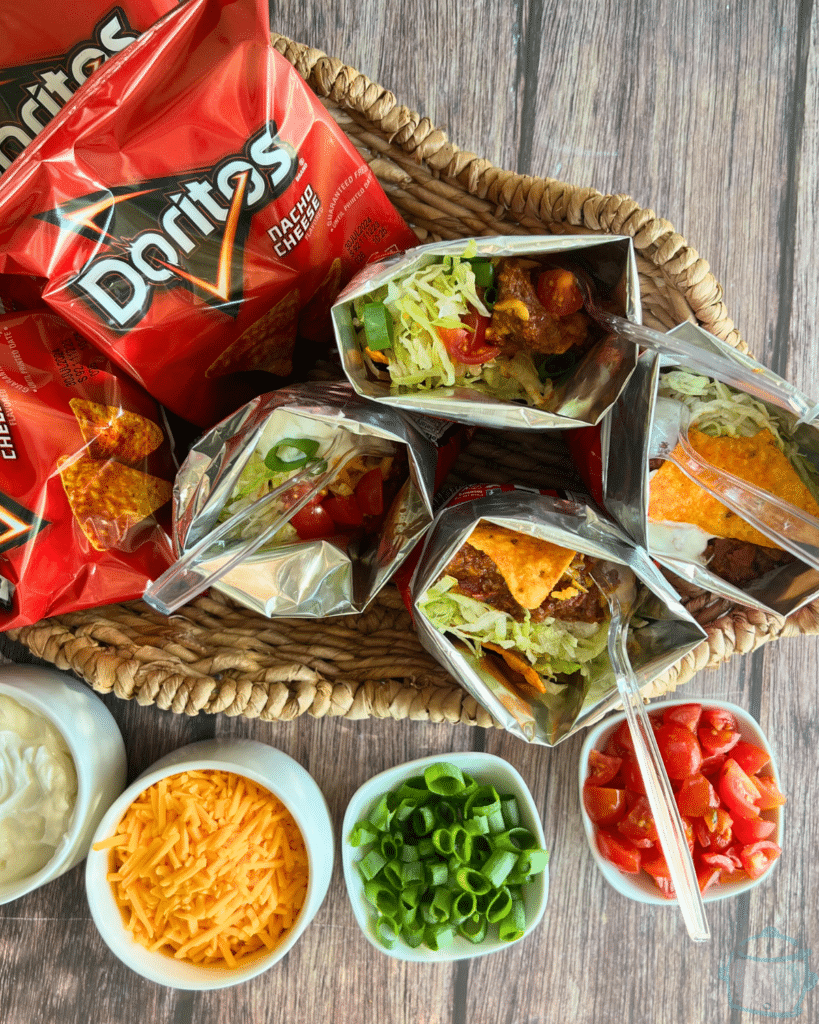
(674, 498)
(266, 345)
(530, 566)
(108, 499)
(115, 433)
(518, 664)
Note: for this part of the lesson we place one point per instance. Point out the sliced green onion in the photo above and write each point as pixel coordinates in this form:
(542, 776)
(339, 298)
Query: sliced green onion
(500, 906)
(364, 832)
(484, 272)
(308, 447)
(498, 867)
(386, 932)
(444, 779)
(370, 865)
(464, 905)
(378, 326)
(510, 811)
(513, 925)
(474, 928)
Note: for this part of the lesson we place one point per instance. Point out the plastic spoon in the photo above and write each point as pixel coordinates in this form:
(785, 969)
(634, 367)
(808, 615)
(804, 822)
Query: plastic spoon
(187, 577)
(670, 830)
(785, 524)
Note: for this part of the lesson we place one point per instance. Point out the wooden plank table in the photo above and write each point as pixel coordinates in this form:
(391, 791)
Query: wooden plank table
(704, 112)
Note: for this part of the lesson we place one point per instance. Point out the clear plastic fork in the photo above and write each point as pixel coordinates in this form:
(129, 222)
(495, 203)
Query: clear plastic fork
(193, 572)
(784, 523)
(670, 829)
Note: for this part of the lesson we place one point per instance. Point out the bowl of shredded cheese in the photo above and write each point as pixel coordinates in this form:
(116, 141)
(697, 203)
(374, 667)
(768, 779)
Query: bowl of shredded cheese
(209, 867)
(62, 763)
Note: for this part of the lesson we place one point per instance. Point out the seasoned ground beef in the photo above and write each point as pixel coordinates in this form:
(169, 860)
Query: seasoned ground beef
(739, 563)
(519, 321)
(478, 577)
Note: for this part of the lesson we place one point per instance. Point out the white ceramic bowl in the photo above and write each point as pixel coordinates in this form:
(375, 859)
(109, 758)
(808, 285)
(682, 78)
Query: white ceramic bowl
(96, 746)
(641, 887)
(268, 767)
(485, 768)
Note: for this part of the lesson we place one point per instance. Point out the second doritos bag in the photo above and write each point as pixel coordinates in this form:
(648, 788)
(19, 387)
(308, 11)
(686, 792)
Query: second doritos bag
(86, 475)
(44, 60)
(191, 204)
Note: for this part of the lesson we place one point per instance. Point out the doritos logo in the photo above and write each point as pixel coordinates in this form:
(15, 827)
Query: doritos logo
(182, 231)
(17, 524)
(34, 93)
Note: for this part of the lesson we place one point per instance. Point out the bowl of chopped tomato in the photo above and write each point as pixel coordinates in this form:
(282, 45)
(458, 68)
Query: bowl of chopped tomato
(726, 784)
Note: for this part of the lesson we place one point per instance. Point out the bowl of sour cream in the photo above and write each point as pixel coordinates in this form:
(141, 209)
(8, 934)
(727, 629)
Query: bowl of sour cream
(62, 764)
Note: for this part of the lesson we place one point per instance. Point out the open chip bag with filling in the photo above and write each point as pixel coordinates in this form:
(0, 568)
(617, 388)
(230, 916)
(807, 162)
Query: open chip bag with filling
(492, 331)
(44, 61)
(767, 438)
(193, 208)
(503, 597)
(337, 552)
(86, 473)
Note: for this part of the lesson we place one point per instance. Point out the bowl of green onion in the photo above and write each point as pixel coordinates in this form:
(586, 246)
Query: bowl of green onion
(445, 858)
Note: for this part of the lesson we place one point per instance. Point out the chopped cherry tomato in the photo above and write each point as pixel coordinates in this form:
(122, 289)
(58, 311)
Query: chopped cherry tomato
(718, 719)
(707, 875)
(750, 758)
(312, 522)
(680, 750)
(717, 741)
(711, 765)
(602, 768)
(769, 795)
(632, 778)
(757, 858)
(559, 292)
(619, 851)
(621, 738)
(714, 830)
(344, 511)
(603, 805)
(687, 715)
(369, 493)
(696, 795)
(751, 830)
(638, 825)
(719, 859)
(738, 791)
(467, 344)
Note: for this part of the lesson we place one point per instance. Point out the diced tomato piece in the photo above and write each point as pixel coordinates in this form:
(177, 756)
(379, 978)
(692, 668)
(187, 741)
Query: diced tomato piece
(732, 853)
(602, 768)
(621, 739)
(751, 830)
(712, 765)
(666, 888)
(680, 750)
(344, 511)
(737, 789)
(619, 851)
(631, 774)
(658, 868)
(757, 858)
(559, 292)
(707, 875)
(605, 806)
(769, 794)
(714, 830)
(719, 859)
(463, 344)
(687, 715)
(750, 758)
(696, 795)
(369, 493)
(717, 741)
(313, 522)
(718, 719)
(638, 825)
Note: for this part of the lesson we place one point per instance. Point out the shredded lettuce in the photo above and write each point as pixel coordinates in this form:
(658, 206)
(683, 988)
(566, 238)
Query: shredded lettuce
(440, 295)
(721, 411)
(254, 482)
(552, 647)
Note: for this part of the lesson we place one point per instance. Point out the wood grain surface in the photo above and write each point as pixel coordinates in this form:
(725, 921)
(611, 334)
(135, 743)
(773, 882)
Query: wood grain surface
(703, 111)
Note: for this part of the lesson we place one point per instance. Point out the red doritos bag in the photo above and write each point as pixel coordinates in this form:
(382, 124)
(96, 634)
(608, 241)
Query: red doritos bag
(44, 60)
(191, 204)
(85, 469)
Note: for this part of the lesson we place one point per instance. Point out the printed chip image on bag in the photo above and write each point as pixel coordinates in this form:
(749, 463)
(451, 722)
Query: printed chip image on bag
(43, 61)
(191, 206)
(86, 475)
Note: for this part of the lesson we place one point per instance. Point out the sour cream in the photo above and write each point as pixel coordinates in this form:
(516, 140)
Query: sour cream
(38, 790)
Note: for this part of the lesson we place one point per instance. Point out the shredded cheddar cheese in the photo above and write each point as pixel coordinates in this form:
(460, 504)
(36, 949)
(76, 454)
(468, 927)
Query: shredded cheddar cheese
(208, 867)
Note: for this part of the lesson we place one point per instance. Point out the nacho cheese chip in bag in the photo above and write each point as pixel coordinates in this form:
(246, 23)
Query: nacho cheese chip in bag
(44, 60)
(189, 204)
(85, 470)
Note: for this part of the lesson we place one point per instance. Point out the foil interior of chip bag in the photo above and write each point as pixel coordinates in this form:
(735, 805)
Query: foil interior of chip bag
(322, 576)
(573, 388)
(549, 533)
(727, 560)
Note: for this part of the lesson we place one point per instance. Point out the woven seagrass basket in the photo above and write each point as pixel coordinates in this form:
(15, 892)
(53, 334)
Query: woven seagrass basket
(215, 656)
